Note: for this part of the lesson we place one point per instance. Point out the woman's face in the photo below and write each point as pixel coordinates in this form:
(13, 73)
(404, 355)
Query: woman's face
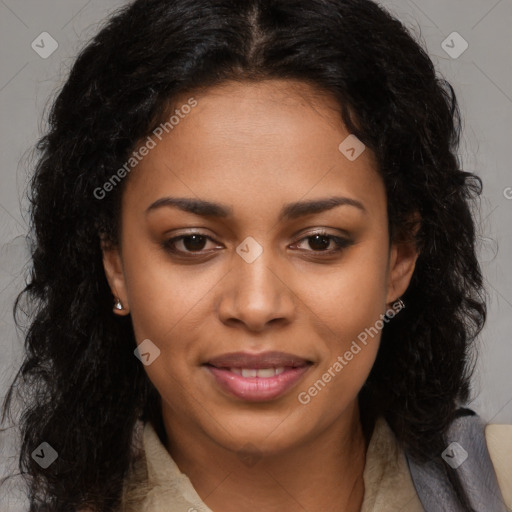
(258, 172)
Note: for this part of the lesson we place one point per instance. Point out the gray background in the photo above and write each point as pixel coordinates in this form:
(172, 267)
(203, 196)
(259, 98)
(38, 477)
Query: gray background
(481, 76)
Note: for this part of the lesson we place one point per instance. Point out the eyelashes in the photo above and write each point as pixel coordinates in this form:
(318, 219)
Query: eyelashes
(194, 238)
(322, 237)
(192, 245)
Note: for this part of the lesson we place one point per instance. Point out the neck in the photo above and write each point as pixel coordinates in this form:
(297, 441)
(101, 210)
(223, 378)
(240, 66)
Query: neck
(323, 473)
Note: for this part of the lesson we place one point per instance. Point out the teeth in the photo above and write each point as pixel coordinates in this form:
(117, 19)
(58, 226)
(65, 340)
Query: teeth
(260, 372)
(265, 372)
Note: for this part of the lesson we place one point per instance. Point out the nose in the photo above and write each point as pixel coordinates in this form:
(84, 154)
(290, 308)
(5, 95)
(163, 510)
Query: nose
(256, 295)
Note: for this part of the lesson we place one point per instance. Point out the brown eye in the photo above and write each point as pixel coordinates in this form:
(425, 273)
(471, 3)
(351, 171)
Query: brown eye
(194, 242)
(321, 243)
(188, 244)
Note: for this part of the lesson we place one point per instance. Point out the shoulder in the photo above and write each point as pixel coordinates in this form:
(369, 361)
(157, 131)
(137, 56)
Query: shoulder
(499, 444)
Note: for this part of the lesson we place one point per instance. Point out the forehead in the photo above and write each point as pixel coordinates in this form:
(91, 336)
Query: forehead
(271, 141)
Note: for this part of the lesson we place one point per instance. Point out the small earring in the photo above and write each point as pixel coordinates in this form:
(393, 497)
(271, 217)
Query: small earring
(399, 304)
(118, 305)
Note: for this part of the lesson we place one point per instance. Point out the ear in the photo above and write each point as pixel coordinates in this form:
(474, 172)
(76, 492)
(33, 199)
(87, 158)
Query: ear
(113, 266)
(402, 261)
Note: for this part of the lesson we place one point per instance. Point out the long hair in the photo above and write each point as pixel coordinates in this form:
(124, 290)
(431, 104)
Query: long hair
(81, 386)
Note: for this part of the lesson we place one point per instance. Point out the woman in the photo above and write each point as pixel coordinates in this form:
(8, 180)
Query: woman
(255, 284)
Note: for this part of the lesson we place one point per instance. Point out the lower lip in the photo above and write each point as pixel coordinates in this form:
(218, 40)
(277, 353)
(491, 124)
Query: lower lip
(257, 389)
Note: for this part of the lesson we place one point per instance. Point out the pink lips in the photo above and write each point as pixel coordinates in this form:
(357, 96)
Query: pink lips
(227, 370)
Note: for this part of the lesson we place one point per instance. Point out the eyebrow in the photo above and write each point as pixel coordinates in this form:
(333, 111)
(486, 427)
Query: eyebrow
(290, 211)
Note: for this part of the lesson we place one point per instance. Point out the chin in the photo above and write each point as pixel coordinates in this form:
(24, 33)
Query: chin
(269, 433)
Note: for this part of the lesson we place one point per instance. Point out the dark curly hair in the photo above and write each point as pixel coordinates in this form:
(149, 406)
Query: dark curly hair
(82, 389)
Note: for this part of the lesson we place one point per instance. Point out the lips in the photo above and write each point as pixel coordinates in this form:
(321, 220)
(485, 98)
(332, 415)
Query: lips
(257, 377)
(256, 361)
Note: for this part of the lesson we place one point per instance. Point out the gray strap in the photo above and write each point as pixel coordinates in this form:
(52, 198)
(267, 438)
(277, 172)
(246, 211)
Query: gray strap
(476, 471)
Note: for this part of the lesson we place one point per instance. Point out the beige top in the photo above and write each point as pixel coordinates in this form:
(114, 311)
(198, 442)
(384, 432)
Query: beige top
(156, 484)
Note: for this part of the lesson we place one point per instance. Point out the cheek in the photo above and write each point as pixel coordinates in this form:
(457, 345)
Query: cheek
(347, 305)
(349, 326)
(165, 299)
(348, 298)
(334, 387)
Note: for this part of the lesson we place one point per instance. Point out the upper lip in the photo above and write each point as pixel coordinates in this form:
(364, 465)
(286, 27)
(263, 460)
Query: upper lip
(256, 361)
